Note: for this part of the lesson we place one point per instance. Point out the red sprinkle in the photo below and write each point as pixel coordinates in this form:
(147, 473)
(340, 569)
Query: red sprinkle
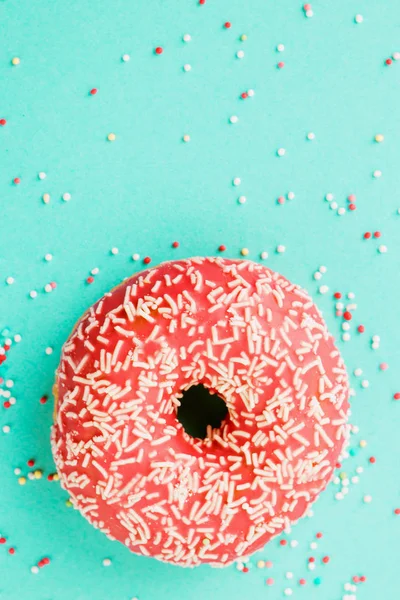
(11, 551)
(222, 248)
(356, 579)
(17, 180)
(377, 234)
(311, 559)
(202, 1)
(302, 581)
(3, 122)
(90, 279)
(361, 329)
(31, 462)
(53, 284)
(50, 477)
(352, 207)
(319, 535)
(396, 396)
(159, 50)
(367, 235)
(175, 244)
(227, 25)
(388, 61)
(270, 581)
(244, 95)
(281, 65)
(281, 200)
(245, 569)
(347, 316)
(383, 366)
(3, 540)
(147, 260)
(351, 198)
(93, 91)
(397, 511)
(363, 578)
(307, 7)
(6, 404)
(269, 564)
(43, 399)
(337, 295)
(326, 559)
(283, 542)
(372, 459)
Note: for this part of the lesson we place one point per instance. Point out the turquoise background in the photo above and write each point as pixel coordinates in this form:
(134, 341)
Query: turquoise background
(149, 188)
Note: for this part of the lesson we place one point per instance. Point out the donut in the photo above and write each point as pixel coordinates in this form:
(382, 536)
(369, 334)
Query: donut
(247, 338)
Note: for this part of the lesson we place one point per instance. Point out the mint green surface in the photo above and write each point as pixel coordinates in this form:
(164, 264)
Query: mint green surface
(149, 188)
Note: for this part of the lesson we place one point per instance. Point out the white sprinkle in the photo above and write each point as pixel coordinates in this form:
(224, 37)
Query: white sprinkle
(377, 173)
(10, 280)
(341, 210)
(33, 294)
(311, 566)
(46, 198)
(359, 18)
(294, 544)
(358, 372)
(17, 338)
(289, 575)
(281, 152)
(242, 199)
(355, 479)
(42, 175)
(264, 255)
(396, 55)
(280, 249)
(288, 592)
(323, 289)
(339, 496)
(95, 271)
(106, 562)
(237, 181)
(114, 251)
(329, 197)
(313, 545)
(317, 275)
(280, 47)
(359, 470)
(240, 54)
(323, 269)
(48, 257)
(17, 471)
(367, 499)
(187, 37)
(345, 326)
(126, 57)
(135, 256)
(48, 288)
(49, 350)
(187, 67)
(233, 119)
(334, 205)
(66, 197)
(311, 136)
(382, 249)
(376, 338)
(6, 429)
(351, 295)
(250, 93)
(35, 570)
(186, 138)
(309, 13)
(365, 383)
(9, 383)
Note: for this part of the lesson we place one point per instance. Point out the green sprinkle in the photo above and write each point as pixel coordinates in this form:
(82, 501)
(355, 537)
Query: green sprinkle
(317, 581)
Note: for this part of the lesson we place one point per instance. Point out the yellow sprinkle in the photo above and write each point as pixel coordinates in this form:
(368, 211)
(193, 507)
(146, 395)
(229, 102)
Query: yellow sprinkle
(206, 542)
(46, 198)
(244, 251)
(111, 137)
(363, 443)
(379, 137)
(343, 475)
(56, 477)
(15, 61)
(261, 564)
(38, 474)
(68, 503)
(243, 37)
(22, 480)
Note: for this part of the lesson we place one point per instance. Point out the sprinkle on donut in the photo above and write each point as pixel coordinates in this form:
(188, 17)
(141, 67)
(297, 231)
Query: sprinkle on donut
(246, 334)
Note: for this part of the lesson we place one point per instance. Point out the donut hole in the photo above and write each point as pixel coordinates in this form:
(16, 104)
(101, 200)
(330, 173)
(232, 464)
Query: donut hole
(200, 408)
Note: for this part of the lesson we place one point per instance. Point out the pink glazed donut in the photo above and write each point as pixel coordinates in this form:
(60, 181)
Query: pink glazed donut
(252, 339)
